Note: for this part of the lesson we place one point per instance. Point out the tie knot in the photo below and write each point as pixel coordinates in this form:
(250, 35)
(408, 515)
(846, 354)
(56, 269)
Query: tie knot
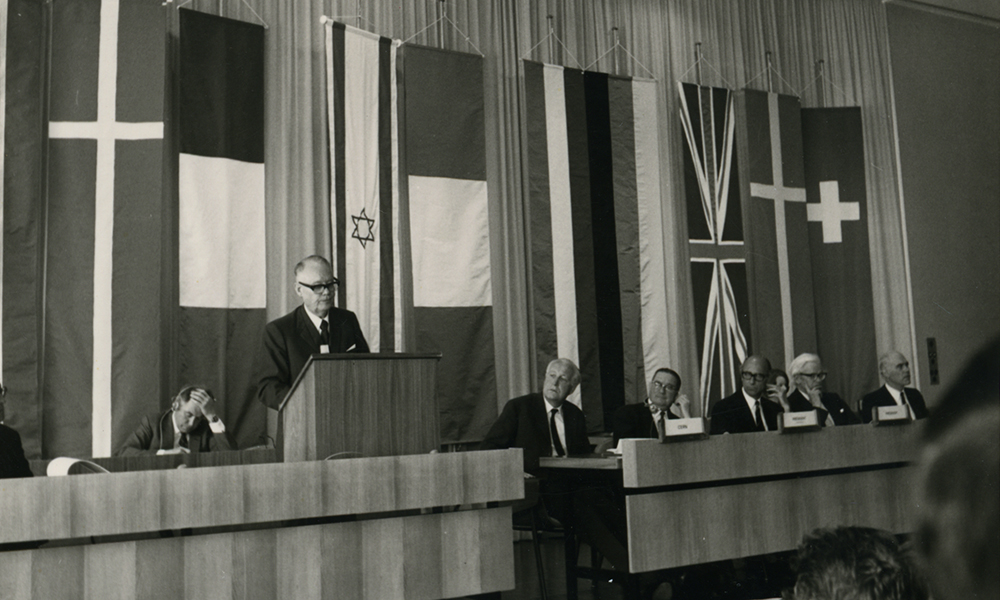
(553, 412)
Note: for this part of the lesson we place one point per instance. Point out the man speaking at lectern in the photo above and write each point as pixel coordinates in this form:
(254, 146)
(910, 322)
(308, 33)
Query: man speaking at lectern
(315, 327)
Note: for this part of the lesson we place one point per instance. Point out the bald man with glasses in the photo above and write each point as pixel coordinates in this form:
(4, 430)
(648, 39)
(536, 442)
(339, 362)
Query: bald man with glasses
(315, 327)
(749, 409)
(807, 377)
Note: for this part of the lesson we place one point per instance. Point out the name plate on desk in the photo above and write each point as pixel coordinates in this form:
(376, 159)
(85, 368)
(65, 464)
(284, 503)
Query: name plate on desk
(794, 422)
(890, 415)
(684, 429)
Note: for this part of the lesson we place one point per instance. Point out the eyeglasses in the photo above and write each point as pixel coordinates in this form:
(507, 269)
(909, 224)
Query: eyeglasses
(815, 376)
(318, 288)
(664, 386)
(758, 377)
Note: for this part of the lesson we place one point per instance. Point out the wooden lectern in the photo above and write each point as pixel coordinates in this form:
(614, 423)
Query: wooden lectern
(361, 405)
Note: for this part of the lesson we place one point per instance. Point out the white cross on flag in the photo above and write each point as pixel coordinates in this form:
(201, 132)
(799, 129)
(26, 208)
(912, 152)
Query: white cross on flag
(834, 157)
(802, 177)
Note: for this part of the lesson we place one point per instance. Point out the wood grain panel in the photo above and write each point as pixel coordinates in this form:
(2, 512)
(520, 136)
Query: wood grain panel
(137, 494)
(59, 508)
(34, 509)
(299, 563)
(159, 567)
(417, 557)
(109, 571)
(293, 492)
(202, 497)
(15, 575)
(682, 527)
(57, 574)
(208, 561)
(460, 545)
(371, 404)
(343, 566)
(496, 556)
(382, 552)
(255, 555)
(422, 556)
(648, 463)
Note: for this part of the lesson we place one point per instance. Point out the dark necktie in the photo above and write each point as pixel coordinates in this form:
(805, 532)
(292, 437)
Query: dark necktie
(661, 427)
(759, 417)
(324, 333)
(555, 433)
(183, 442)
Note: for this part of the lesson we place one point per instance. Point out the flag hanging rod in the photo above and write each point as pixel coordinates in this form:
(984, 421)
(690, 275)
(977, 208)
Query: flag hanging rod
(820, 67)
(616, 46)
(245, 3)
(769, 70)
(323, 19)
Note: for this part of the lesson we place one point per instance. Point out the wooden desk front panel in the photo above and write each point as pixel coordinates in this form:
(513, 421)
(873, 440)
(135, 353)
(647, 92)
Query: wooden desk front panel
(691, 526)
(56, 508)
(648, 463)
(371, 404)
(425, 556)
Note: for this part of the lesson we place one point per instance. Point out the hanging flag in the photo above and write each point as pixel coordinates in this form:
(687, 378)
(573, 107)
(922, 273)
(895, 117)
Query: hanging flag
(834, 155)
(596, 231)
(717, 248)
(21, 118)
(772, 189)
(445, 167)
(221, 243)
(101, 290)
(362, 103)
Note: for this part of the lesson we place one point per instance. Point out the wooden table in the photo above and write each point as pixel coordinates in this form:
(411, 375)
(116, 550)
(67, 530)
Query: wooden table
(419, 526)
(742, 495)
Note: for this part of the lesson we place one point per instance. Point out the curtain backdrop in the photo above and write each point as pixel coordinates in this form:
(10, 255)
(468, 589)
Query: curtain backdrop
(848, 35)
(657, 41)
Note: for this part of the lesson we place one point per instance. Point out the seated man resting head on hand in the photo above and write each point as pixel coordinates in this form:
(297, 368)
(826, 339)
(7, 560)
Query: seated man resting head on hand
(191, 424)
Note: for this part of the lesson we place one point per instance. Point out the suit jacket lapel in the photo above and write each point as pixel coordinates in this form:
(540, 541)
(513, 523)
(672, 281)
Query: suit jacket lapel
(305, 329)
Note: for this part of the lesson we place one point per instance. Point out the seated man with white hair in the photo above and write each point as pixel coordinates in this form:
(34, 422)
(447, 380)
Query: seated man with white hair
(807, 374)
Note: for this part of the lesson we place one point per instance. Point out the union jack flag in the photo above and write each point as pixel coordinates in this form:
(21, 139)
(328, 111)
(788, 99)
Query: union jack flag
(715, 231)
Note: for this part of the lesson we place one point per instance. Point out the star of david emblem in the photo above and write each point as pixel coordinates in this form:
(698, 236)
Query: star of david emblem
(363, 231)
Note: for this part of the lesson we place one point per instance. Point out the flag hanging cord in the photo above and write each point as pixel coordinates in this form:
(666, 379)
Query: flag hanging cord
(552, 35)
(245, 3)
(703, 60)
(614, 47)
(454, 26)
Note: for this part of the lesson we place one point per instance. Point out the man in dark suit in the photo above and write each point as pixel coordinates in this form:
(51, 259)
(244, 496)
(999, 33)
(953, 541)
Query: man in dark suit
(546, 425)
(12, 461)
(543, 424)
(807, 374)
(645, 420)
(895, 370)
(315, 327)
(192, 424)
(748, 409)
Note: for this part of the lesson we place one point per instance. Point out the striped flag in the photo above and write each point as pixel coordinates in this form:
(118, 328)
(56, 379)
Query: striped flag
(596, 231)
(445, 167)
(834, 158)
(715, 229)
(362, 102)
(772, 189)
(221, 243)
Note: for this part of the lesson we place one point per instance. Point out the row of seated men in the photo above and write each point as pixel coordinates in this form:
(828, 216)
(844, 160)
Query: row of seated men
(766, 393)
